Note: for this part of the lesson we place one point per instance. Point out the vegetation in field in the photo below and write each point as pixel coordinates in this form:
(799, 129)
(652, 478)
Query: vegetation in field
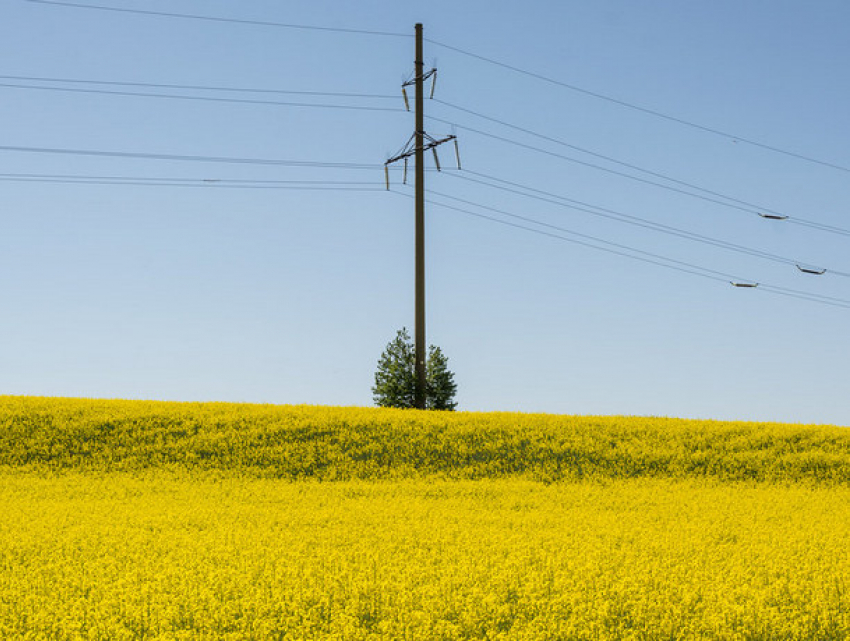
(165, 556)
(326, 443)
(137, 520)
(395, 379)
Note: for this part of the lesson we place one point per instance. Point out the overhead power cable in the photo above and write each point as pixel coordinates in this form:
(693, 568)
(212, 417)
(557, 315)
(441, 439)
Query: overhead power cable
(159, 85)
(649, 258)
(246, 181)
(610, 159)
(638, 254)
(609, 243)
(717, 275)
(796, 293)
(139, 94)
(755, 208)
(655, 258)
(728, 201)
(192, 16)
(193, 158)
(206, 183)
(554, 154)
(659, 114)
(651, 112)
(595, 210)
(832, 229)
(243, 187)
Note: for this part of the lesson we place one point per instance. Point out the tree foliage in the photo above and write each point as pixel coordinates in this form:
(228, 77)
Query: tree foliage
(440, 387)
(395, 378)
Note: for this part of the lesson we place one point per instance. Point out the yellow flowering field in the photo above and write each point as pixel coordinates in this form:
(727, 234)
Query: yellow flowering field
(332, 443)
(449, 526)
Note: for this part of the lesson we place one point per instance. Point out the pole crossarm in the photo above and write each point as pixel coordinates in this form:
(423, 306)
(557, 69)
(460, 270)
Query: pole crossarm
(418, 80)
(410, 148)
(420, 141)
(425, 77)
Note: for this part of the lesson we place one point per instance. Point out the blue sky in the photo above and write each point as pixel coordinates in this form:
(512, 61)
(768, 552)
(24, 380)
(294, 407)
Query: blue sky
(264, 291)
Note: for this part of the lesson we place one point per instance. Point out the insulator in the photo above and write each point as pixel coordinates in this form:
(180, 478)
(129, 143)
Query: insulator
(809, 270)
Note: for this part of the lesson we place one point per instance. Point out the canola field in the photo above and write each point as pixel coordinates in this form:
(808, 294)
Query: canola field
(138, 520)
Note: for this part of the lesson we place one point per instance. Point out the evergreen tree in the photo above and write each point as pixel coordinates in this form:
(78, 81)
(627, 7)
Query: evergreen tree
(440, 386)
(395, 378)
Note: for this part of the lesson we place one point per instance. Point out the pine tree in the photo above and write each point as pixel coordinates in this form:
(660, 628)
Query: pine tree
(441, 386)
(395, 378)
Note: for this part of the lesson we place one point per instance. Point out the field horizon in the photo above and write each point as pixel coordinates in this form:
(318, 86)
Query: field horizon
(338, 443)
(155, 401)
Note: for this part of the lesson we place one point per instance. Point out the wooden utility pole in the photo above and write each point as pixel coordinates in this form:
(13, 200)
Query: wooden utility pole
(416, 146)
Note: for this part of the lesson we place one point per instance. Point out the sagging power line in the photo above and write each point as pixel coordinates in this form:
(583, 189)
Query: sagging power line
(201, 183)
(526, 72)
(752, 208)
(418, 143)
(194, 16)
(744, 206)
(216, 88)
(604, 212)
(193, 158)
(646, 110)
(771, 215)
(721, 199)
(634, 253)
(248, 101)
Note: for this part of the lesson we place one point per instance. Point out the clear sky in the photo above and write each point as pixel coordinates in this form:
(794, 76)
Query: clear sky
(141, 276)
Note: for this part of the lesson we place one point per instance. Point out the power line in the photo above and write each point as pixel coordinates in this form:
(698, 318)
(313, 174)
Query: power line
(554, 154)
(247, 187)
(373, 108)
(640, 255)
(190, 180)
(716, 274)
(334, 94)
(200, 183)
(470, 54)
(652, 112)
(729, 202)
(838, 302)
(194, 158)
(820, 226)
(758, 209)
(595, 210)
(685, 268)
(602, 156)
(201, 98)
(190, 16)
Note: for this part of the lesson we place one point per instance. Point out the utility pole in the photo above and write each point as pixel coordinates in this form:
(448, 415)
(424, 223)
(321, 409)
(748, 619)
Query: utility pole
(416, 147)
(419, 329)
